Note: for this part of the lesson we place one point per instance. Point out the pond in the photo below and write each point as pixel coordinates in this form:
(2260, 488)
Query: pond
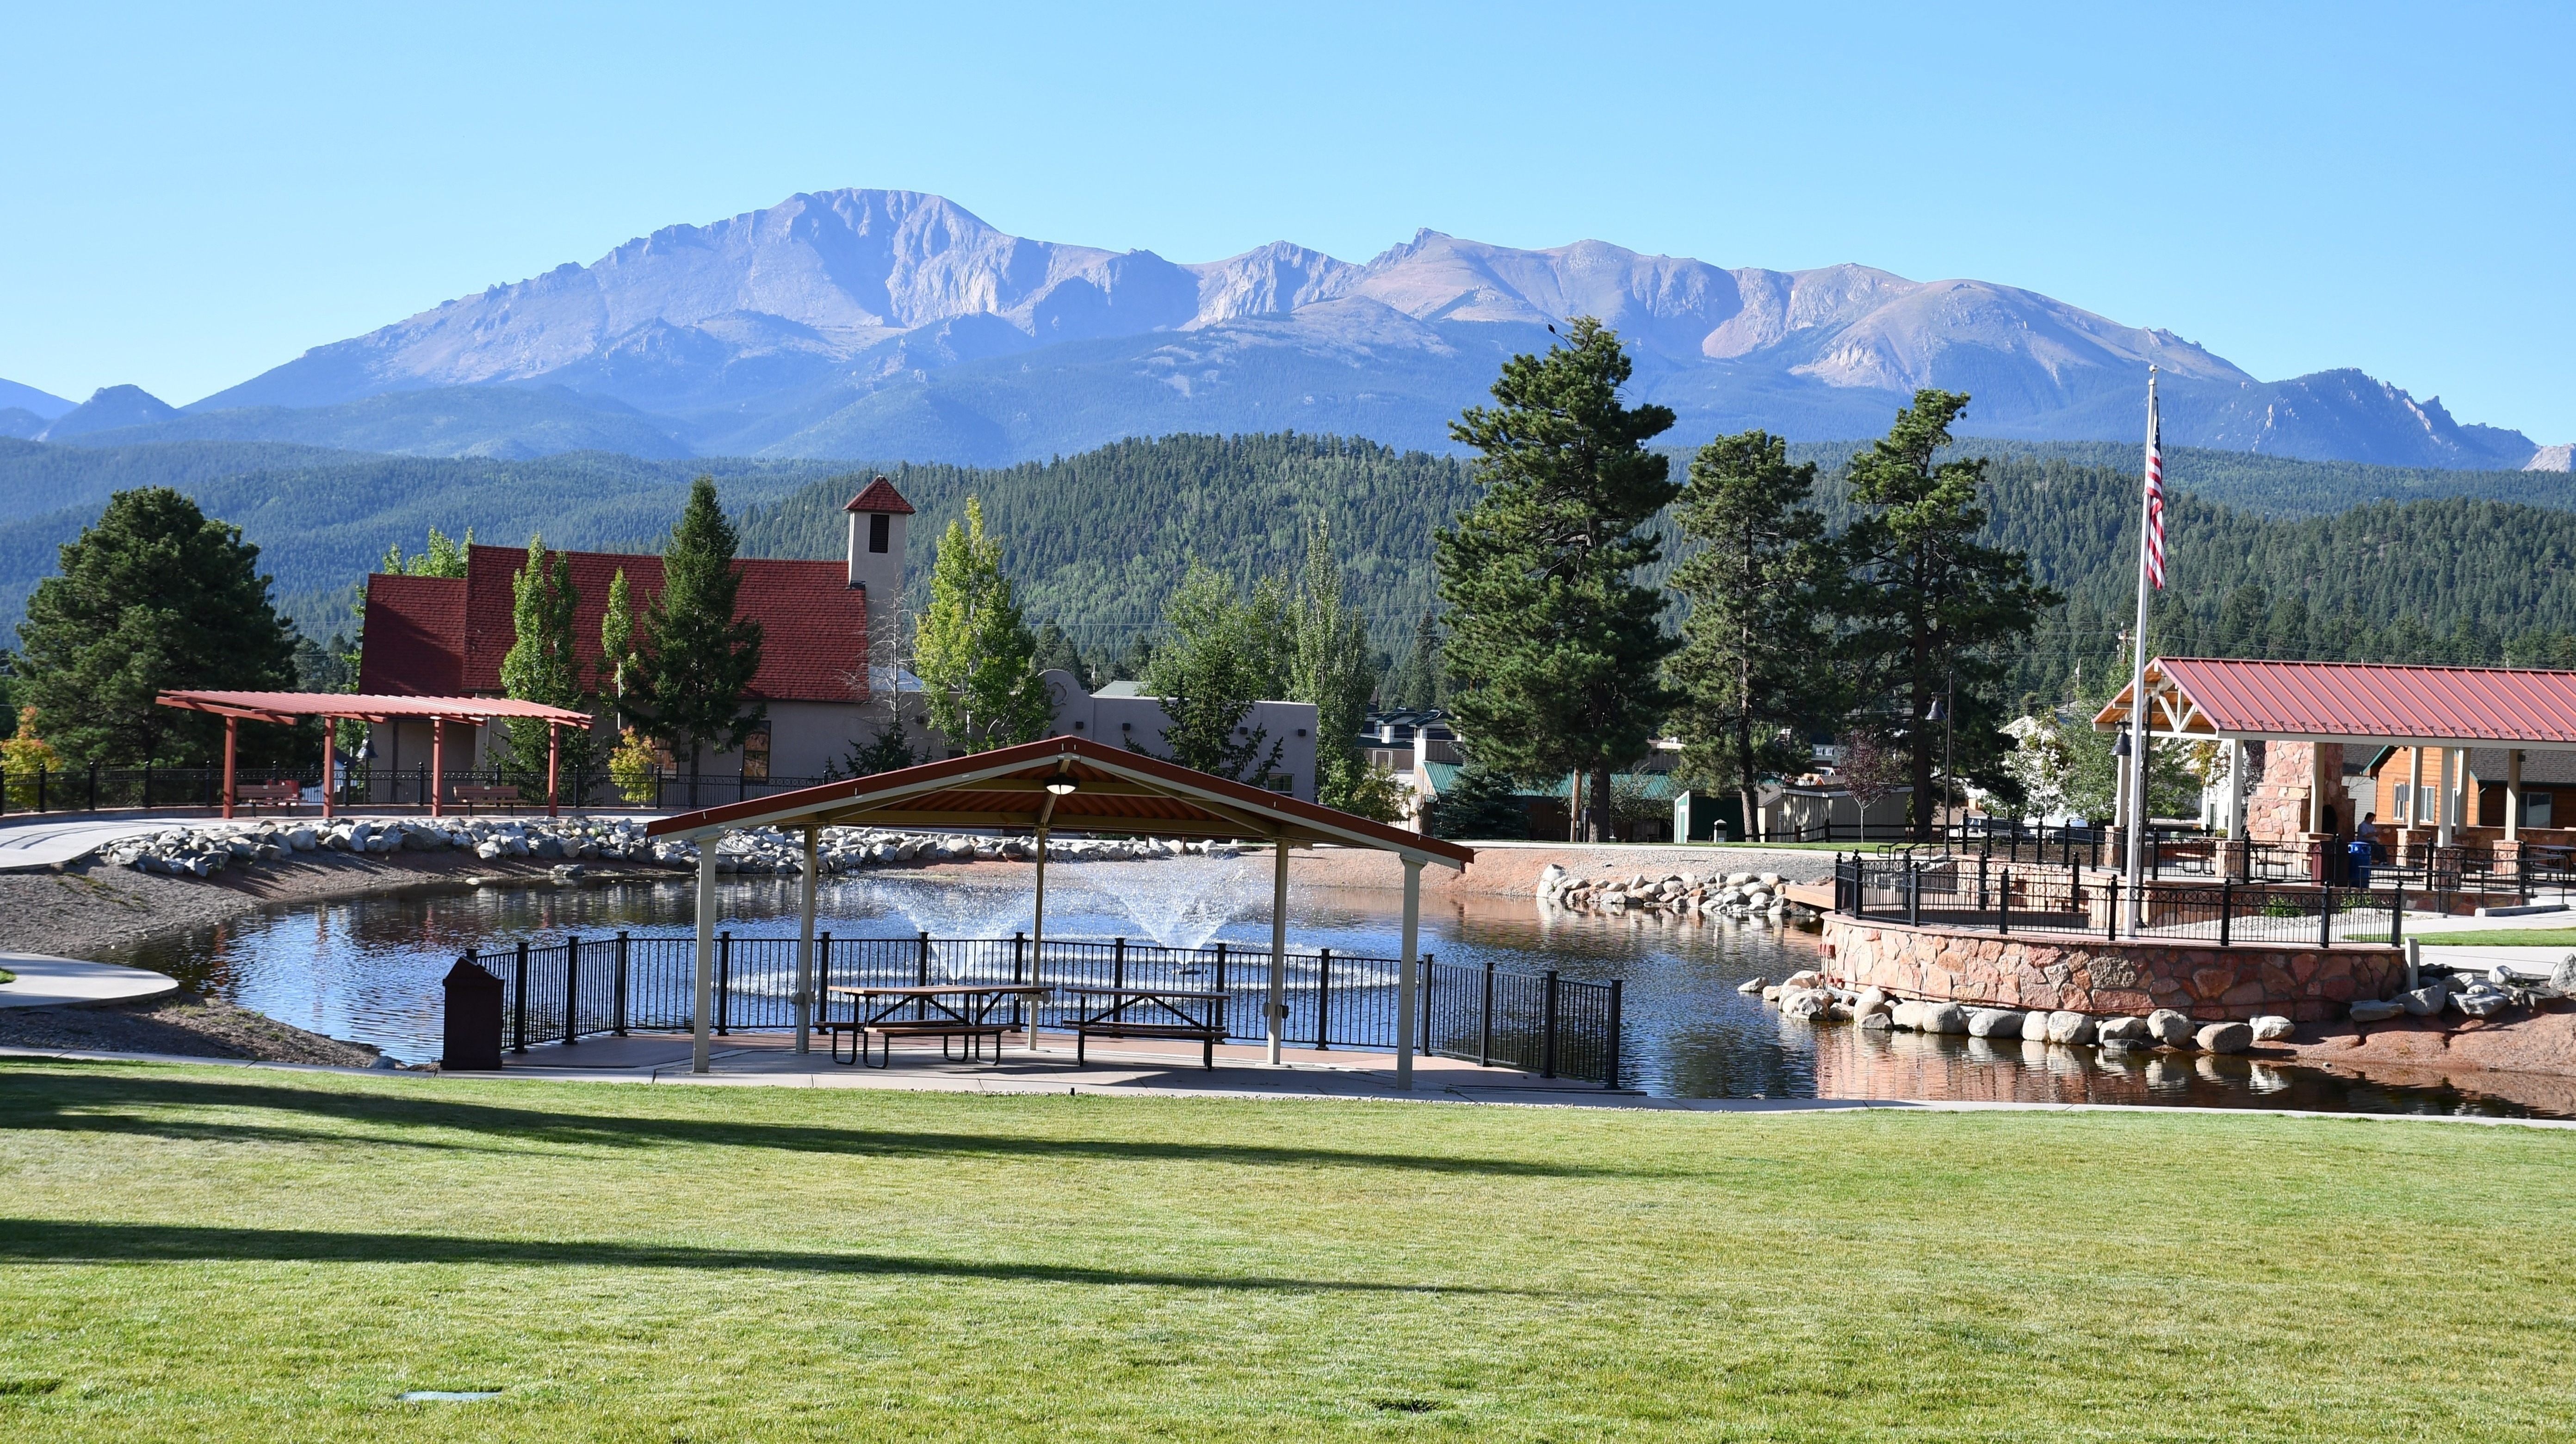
(368, 969)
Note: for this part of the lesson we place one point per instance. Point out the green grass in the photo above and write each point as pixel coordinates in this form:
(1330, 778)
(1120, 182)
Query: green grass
(2502, 938)
(7, 976)
(219, 1254)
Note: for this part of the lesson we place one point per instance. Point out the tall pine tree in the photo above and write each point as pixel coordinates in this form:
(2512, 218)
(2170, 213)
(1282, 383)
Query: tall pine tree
(694, 657)
(1554, 650)
(1761, 590)
(1938, 613)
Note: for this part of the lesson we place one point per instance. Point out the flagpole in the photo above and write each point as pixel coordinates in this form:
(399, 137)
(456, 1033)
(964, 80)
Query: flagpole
(2140, 745)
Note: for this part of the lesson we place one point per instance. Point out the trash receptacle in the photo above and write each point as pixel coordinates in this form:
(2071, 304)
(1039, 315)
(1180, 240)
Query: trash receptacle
(473, 1020)
(2356, 856)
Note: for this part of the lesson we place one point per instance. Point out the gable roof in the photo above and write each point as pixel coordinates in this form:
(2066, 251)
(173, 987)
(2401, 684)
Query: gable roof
(415, 637)
(2331, 701)
(813, 623)
(880, 495)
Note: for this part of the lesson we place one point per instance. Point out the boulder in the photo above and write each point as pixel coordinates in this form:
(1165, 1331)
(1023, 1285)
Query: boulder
(1552, 878)
(1877, 1020)
(1804, 1002)
(1810, 978)
(2563, 977)
(2170, 1028)
(1994, 1023)
(2424, 1002)
(2069, 1028)
(2273, 1028)
(2475, 1005)
(1945, 1018)
(1752, 985)
(2127, 1030)
(1871, 1000)
(301, 839)
(490, 848)
(2225, 1038)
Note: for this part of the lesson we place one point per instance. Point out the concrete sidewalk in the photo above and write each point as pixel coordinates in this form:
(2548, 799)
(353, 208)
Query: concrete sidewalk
(44, 982)
(53, 841)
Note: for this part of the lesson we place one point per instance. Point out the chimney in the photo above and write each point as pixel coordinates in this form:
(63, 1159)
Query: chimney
(877, 516)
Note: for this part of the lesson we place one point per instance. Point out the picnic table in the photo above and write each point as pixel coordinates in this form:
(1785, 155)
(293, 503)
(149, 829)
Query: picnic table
(946, 1011)
(1125, 1011)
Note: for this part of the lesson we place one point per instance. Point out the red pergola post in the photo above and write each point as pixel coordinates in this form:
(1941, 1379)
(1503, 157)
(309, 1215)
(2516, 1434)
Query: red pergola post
(232, 734)
(328, 739)
(437, 762)
(554, 759)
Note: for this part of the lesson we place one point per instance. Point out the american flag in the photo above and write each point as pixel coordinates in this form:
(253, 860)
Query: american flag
(2155, 498)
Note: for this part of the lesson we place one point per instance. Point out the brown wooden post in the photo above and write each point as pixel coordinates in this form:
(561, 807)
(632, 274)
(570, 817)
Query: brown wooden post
(437, 762)
(232, 734)
(328, 738)
(554, 760)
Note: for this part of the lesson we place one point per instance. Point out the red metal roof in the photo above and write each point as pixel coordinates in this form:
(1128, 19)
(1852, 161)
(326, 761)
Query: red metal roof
(2224, 697)
(813, 623)
(415, 636)
(880, 495)
(1117, 791)
(286, 706)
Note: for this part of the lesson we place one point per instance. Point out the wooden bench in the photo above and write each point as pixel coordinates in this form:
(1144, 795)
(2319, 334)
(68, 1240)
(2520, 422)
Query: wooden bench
(268, 794)
(942, 1029)
(470, 794)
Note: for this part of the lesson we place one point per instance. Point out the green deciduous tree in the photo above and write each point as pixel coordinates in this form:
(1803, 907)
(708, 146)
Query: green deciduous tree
(1554, 651)
(1935, 609)
(440, 558)
(1762, 590)
(1329, 666)
(617, 637)
(151, 597)
(973, 650)
(695, 657)
(542, 666)
(1222, 652)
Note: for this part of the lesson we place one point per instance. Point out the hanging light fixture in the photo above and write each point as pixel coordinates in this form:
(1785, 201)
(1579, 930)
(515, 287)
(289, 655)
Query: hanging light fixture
(1062, 786)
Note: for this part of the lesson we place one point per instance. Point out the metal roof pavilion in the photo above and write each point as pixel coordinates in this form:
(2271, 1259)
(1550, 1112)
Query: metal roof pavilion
(1068, 784)
(283, 708)
(2342, 701)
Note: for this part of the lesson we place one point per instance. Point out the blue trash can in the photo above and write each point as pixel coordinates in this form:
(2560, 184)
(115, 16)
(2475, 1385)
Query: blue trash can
(2357, 862)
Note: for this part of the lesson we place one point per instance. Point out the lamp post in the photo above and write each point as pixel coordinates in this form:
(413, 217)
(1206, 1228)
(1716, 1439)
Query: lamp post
(1940, 711)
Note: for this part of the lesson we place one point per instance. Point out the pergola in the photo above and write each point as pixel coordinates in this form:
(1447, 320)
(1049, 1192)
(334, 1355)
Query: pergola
(1067, 784)
(2447, 709)
(284, 708)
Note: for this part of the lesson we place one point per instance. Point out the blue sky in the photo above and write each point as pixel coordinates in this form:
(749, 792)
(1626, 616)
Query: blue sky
(196, 194)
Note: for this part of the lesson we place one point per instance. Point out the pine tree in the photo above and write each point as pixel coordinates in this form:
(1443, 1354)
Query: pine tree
(541, 666)
(154, 596)
(695, 657)
(973, 650)
(1416, 681)
(1554, 649)
(1939, 614)
(1222, 653)
(1761, 593)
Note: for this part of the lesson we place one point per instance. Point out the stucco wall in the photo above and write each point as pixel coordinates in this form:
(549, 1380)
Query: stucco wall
(2310, 985)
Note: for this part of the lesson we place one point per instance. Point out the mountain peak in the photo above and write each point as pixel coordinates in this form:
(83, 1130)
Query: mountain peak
(107, 409)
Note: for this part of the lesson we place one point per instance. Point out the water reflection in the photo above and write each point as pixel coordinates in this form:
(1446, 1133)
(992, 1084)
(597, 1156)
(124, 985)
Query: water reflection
(369, 969)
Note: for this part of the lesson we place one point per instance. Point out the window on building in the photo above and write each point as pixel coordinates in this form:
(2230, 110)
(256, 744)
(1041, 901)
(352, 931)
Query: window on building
(880, 532)
(2403, 801)
(755, 756)
(2535, 809)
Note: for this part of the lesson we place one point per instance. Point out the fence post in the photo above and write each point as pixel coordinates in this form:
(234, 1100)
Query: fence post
(618, 1004)
(822, 977)
(2003, 905)
(2325, 917)
(921, 976)
(1547, 1046)
(1981, 883)
(2111, 914)
(1425, 992)
(2397, 918)
(724, 980)
(1485, 1030)
(1118, 963)
(519, 1002)
(1610, 1071)
(572, 990)
(1324, 997)
(1913, 893)
(2226, 910)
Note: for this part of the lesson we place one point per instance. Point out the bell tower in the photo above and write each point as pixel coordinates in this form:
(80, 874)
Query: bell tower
(877, 517)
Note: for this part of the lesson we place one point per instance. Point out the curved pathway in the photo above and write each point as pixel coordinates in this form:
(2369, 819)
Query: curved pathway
(44, 982)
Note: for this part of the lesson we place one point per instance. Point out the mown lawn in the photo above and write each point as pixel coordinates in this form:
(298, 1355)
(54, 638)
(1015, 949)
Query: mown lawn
(2501, 938)
(219, 1254)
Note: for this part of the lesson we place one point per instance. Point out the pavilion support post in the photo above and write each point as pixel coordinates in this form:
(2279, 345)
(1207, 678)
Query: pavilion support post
(2442, 801)
(805, 945)
(2513, 794)
(327, 740)
(1037, 940)
(232, 739)
(1409, 959)
(1276, 1006)
(554, 763)
(437, 762)
(2414, 785)
(706, 992)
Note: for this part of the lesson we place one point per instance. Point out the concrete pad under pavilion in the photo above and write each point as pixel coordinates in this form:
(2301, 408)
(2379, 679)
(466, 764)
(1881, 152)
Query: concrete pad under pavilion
(1061, 784)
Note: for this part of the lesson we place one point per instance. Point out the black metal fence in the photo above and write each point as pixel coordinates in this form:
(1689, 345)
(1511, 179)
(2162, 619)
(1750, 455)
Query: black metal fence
(1983, 895)
(99, 788)
(561, 991)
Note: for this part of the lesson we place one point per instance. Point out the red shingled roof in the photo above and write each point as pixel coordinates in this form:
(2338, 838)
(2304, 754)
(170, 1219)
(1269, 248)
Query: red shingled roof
(432, 636)
(415, 638)
(880, 495)
(2220, 697)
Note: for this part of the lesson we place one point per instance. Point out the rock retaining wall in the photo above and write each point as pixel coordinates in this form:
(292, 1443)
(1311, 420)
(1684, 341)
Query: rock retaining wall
(2308, 985)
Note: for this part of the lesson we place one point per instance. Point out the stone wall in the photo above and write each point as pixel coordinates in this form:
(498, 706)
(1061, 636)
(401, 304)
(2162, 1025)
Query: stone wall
(2308, 985)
